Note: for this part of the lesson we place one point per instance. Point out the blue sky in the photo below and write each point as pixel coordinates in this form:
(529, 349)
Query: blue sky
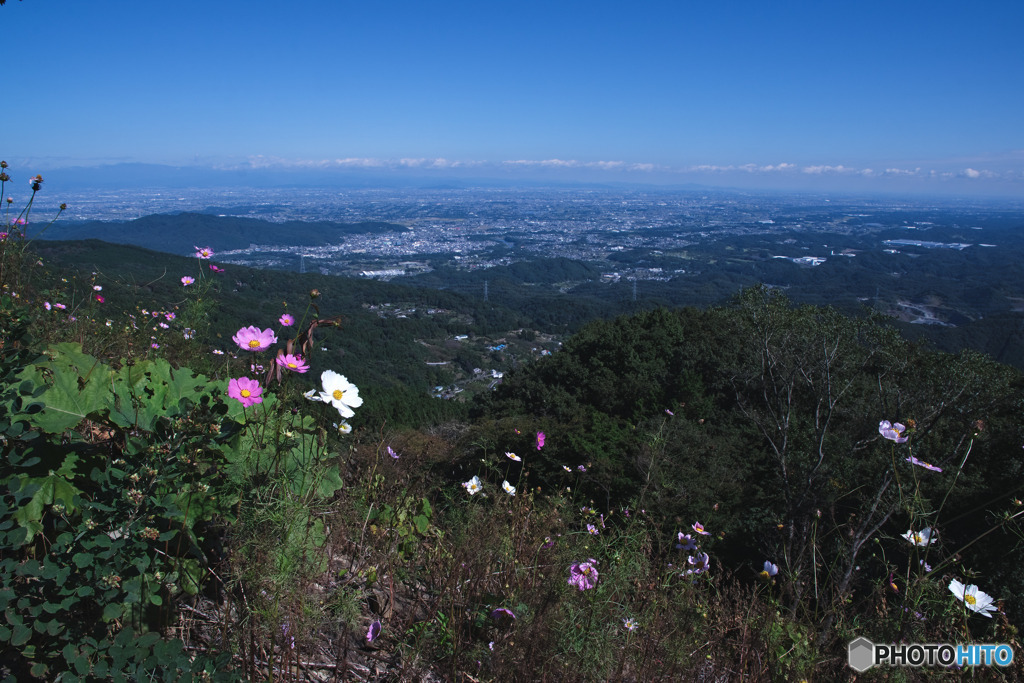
(887, 95)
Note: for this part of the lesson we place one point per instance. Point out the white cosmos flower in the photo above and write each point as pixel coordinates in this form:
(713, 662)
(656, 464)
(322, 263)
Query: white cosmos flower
(340, 393)
(509, 488)
(343, 427)
(975, 600)
(921, 538)
(513, 456)
(473, 486)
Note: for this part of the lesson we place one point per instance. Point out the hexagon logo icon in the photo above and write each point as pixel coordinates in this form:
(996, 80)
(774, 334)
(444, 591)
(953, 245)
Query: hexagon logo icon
(861, 655)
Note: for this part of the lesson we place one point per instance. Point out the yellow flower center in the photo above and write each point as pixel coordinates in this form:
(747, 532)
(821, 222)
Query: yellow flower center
(292, 366)
(970, 599)
(254, 343)
(245, 393)
(918, 539)
(586, 571)
(338, 393)
(765, 574)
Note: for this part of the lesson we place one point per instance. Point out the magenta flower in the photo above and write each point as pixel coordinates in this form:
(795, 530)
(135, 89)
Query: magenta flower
(292, 362)
(204, 252)
(170, 315)
(287, 320)
(699, 528)
(46, 305)
(246, 390)
(216, 269)
(921, 463)
(99, 297)
(540, 440)
(583, 575)
(253, 339)
(186, 281)
(373, 631)
(893, 432)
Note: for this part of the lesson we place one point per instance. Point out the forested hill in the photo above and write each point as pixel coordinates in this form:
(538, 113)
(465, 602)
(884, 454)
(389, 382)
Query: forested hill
(179, 233)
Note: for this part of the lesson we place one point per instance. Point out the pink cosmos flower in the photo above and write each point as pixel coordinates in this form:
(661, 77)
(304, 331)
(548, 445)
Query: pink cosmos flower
(216, 269)
(700, 563)
(97, 288)
(893, 432)
(540, 440)
(204, 252)
(154, 345)
(170, 316)
(99, 297)
(699, 528)
(686, 542)
(253, 339)
(46, 305)
(60, 306)
(4, 235)
(583, 575)
(246, 390)
(921, 463)
(292, 362)
(186, 281)
(165, 326)
(286, 320)
(592, 530)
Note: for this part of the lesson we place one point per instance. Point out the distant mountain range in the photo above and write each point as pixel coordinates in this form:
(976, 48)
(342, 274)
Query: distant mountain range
(179, 233)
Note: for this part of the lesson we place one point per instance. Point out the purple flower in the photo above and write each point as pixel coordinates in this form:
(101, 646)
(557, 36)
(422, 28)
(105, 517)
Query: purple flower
(502, 614)
(373, 631)
(540, 440)
(583, 575)
(392, 453)
(921, 463)
(253, 339)
(893, 432)
(668, 412)
(686, 542)
(769, 570)
(699, 528)
(592, 530)
(700, 563)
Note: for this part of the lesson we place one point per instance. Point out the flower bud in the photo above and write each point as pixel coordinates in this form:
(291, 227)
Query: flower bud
(314, 293)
